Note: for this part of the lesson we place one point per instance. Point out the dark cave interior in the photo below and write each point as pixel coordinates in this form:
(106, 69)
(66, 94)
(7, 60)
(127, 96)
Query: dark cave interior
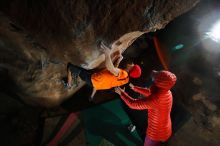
(186, 51)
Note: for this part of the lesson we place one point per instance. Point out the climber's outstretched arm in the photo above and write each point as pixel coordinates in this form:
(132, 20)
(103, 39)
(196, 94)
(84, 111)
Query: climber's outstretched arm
(108, 62)
(118, 59)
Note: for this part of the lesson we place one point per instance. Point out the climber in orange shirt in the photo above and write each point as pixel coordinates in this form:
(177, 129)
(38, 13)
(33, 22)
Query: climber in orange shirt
(158, 101)
(107, 78)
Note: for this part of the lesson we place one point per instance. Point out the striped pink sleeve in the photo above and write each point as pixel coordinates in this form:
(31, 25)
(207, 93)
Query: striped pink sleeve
(144, 91)
(139, 104)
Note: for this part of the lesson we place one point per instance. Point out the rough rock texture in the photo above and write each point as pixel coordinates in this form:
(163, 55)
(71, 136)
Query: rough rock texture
(38, 38)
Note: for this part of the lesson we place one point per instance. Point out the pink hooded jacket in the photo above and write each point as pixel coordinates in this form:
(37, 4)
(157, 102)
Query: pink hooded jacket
(158, 101)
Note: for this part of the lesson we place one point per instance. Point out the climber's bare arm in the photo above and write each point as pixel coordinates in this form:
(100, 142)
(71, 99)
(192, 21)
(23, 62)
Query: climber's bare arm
(108, 62)
(116, 58)
(118, 61)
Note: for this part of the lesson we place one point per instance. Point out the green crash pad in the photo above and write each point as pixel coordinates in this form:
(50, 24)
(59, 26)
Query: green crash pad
(107, 124)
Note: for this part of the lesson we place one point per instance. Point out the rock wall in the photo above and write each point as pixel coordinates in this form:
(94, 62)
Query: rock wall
(38, 38)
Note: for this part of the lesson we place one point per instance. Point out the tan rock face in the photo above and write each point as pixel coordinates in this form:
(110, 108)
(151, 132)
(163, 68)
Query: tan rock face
(38, 38)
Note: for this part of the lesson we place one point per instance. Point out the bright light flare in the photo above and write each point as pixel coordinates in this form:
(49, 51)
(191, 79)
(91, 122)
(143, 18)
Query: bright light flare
(214, 34)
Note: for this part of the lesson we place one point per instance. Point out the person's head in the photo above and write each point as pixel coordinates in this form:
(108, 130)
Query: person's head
(134, 70)
(163, 79)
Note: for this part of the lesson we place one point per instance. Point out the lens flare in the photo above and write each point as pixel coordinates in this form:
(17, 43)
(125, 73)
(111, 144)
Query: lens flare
(214, 34)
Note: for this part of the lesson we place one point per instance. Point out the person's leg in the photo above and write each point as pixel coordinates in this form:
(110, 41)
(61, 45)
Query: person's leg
(93, 94)
(71, 70)
(150, 142)
(84, 74)
(69, 79)
(74, 69)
